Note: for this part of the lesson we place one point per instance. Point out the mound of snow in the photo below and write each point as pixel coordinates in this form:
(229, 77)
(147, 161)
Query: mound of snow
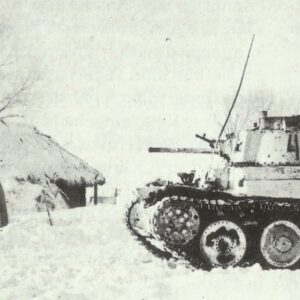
(25, 197)
(89, 254)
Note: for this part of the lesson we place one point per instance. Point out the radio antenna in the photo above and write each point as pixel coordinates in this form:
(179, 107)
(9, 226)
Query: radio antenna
(238, 90)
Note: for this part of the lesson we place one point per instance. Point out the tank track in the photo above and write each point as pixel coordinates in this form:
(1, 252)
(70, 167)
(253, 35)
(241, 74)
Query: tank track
(252, 214)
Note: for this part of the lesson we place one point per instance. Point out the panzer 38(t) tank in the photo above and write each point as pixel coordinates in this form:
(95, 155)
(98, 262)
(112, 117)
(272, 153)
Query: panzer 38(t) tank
(245, 212)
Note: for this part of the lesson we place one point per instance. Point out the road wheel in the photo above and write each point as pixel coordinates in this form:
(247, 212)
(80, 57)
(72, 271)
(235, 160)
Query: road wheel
(280, 244)
(223, 243)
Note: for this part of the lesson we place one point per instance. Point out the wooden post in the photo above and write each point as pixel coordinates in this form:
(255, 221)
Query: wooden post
(95, 194)
(3, 209)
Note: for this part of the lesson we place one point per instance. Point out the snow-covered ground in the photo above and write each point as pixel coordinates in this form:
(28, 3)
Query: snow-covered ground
(89, 254)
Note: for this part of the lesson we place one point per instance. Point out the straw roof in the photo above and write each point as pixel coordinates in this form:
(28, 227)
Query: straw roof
(27, 154)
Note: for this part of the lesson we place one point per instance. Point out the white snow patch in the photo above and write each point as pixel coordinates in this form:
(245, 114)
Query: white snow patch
(28, 154)
(21, 196)
(89, 254)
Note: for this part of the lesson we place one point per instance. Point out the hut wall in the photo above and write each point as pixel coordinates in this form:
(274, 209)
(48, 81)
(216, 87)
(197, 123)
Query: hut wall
(75, 193)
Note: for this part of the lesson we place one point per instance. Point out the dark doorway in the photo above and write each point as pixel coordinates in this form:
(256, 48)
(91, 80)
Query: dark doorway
(75, 193)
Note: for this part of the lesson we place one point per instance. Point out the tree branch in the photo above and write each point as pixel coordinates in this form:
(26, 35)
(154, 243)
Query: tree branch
(14, 96)
(11, 116)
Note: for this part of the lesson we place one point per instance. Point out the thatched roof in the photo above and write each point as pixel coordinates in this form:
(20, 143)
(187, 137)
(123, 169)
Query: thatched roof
(27, 154)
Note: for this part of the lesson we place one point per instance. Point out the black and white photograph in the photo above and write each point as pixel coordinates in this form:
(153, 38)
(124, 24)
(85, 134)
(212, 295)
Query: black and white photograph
(149, 150)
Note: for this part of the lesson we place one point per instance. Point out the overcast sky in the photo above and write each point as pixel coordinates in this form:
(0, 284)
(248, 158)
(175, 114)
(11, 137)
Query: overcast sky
(119, 76)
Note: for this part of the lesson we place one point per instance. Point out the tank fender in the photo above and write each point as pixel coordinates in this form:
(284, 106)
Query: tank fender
(154, 186)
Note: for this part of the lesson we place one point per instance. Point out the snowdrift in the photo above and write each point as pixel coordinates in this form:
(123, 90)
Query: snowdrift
(89, 254)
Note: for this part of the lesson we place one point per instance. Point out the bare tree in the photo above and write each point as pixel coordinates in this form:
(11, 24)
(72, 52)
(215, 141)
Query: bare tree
(15, 84)
(246, 111)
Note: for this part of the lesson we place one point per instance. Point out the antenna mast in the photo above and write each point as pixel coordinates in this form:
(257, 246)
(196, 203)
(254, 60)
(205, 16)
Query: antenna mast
(238, 90)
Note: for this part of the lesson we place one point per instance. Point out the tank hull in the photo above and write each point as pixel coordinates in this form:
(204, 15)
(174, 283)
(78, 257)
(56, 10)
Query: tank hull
(260, 181)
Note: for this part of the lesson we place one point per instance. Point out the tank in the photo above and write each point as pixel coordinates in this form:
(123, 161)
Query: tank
(245, 212)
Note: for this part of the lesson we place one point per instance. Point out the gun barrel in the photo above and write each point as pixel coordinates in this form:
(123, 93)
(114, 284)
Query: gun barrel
(179, 150)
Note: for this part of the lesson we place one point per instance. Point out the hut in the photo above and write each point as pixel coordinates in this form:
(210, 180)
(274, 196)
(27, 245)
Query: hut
(32, 162)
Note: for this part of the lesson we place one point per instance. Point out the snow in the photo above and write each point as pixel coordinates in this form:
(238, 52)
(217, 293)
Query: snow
(90, 254)
(21, 196)
(28, 154)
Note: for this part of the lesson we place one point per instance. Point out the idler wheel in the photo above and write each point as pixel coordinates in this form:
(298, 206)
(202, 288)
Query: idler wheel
(133, 216)
(223, 244)
(280, 244)
(176, 222)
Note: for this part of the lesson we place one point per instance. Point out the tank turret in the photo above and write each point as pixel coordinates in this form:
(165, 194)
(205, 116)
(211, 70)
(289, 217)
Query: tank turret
(263, 160)
(260, 161)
